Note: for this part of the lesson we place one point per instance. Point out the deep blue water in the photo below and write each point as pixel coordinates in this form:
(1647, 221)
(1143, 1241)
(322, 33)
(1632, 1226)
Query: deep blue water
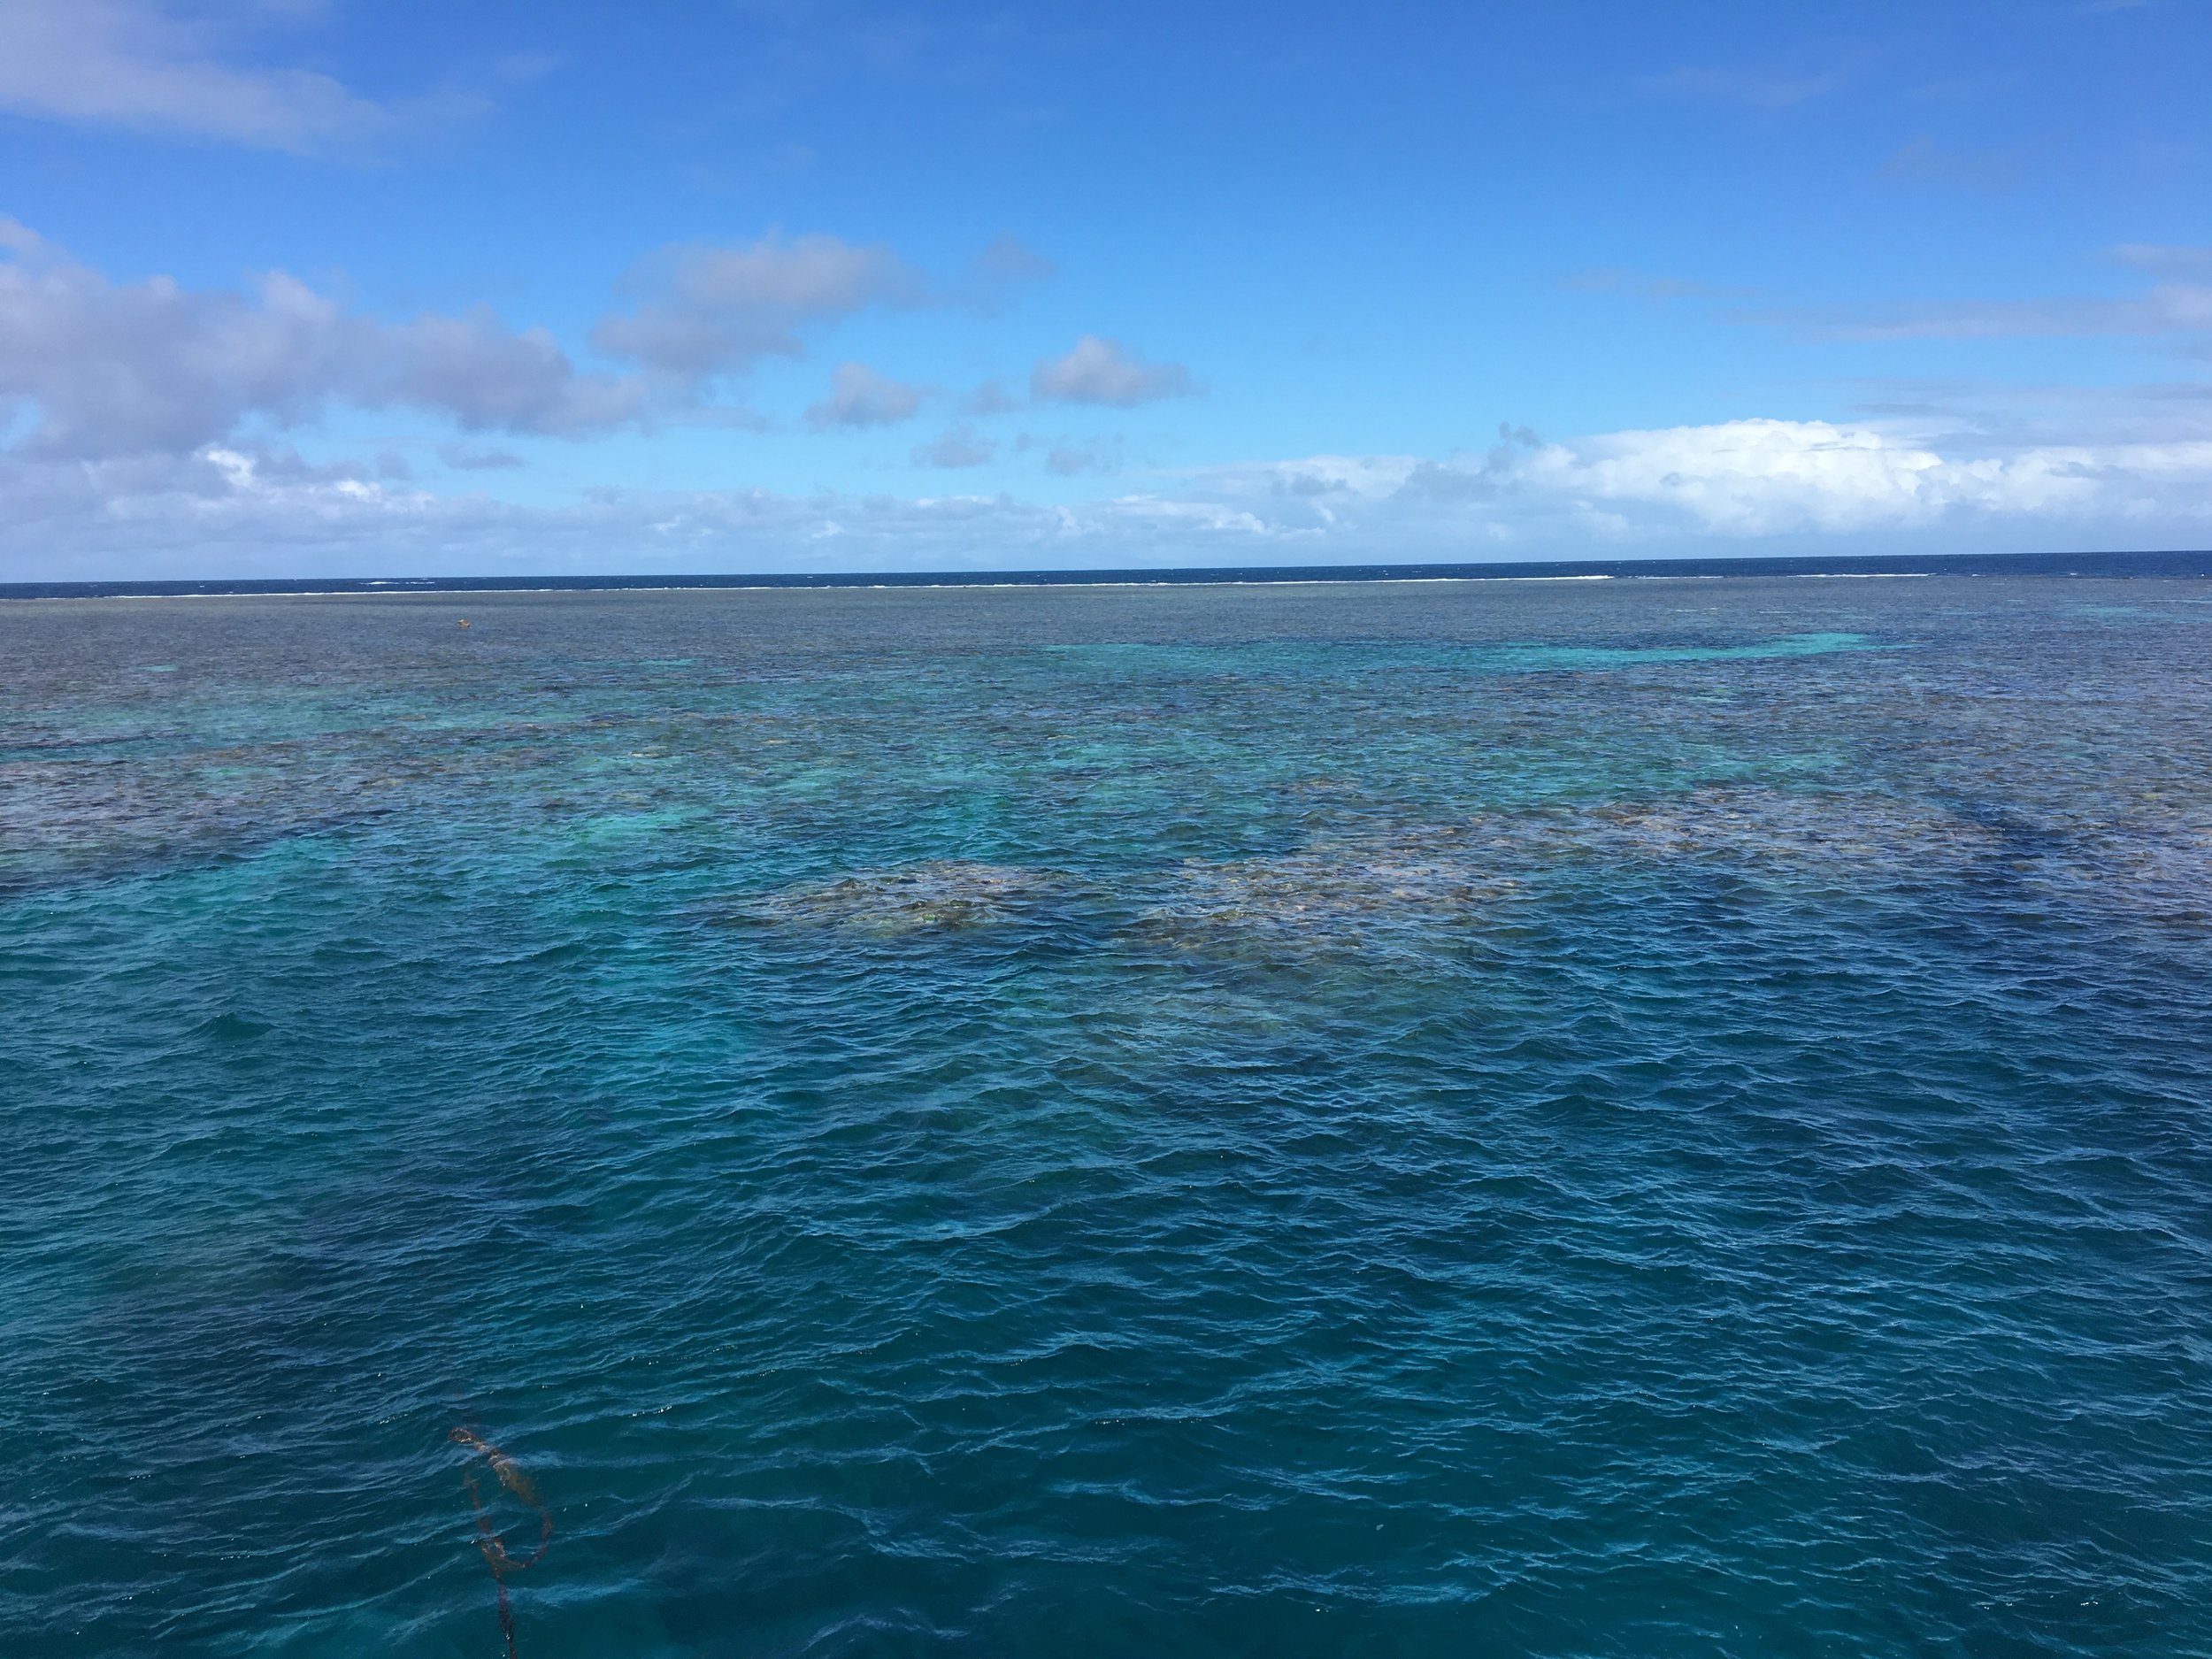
(1653, 1118)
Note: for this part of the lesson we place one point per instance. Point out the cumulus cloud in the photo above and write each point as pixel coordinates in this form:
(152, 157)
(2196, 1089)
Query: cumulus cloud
(1746, 479)
(102, 366)
(705, 311)
(861, 397)
(109, 368)
(485, 376)
(1102, 371)
(1774, 477)
(708, 311)
(132, 64)
(957, 448)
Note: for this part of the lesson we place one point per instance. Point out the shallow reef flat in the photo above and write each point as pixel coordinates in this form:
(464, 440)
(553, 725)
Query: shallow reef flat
(940, 893)
(1439, 879)
(1774, 826)
(1346, 892)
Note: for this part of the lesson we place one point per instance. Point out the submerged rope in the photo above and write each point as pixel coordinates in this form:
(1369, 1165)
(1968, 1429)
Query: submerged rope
(493, 1547)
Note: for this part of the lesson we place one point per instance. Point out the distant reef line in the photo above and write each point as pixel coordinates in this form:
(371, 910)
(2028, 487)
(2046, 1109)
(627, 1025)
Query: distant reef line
(2186, 564)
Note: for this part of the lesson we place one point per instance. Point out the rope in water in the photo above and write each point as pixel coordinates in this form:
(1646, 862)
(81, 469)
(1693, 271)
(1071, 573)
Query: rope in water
(493, 1547)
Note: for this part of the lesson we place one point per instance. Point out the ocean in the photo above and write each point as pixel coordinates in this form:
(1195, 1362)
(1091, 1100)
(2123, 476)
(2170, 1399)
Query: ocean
(1633, 1117)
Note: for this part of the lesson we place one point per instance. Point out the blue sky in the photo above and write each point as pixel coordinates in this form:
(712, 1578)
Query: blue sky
(291, 286)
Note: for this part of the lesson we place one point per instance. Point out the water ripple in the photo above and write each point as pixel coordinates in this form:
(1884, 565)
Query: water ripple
(1636, 1119)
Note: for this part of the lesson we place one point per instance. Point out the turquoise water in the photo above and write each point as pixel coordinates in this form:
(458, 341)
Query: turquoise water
(1643, 1118)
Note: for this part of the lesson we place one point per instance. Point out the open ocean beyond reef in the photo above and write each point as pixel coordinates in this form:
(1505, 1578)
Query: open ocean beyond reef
(1642, 1118)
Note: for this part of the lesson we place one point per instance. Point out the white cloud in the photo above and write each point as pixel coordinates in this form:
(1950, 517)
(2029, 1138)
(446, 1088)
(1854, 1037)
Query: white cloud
(92, 366)
(485, 376)
(861, 397)
(110, 368)
(707, 311)
(1747, 486)
(1745, 481)
(130, 63)
(1780, 477)
(711, 310)
(1100, 371)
